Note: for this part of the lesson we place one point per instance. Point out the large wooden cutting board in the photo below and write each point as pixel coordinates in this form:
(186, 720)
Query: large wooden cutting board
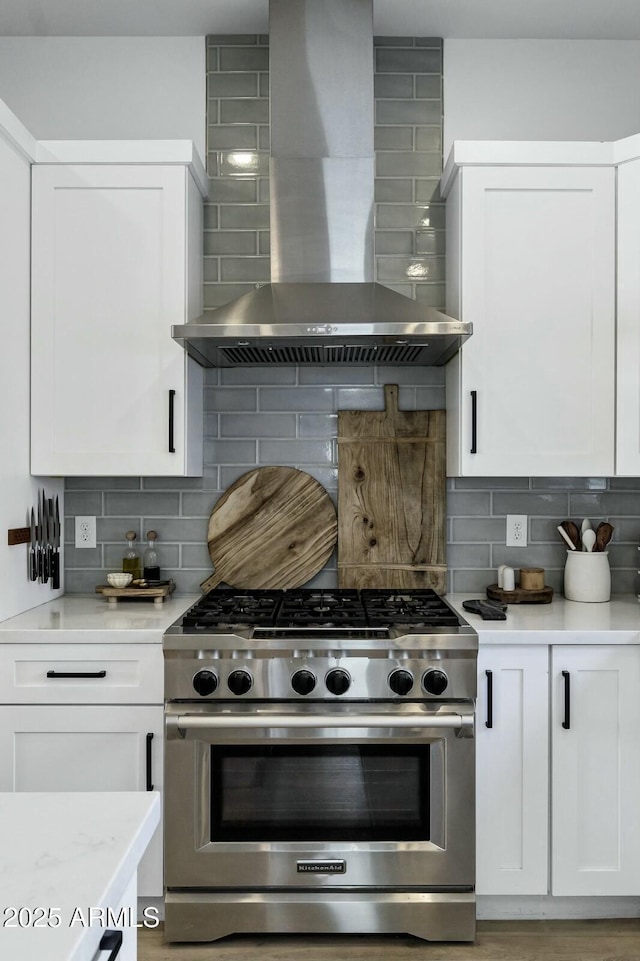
(391, 497)
(274, 528)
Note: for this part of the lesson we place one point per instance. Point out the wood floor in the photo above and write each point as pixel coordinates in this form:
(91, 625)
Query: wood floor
(496, 941)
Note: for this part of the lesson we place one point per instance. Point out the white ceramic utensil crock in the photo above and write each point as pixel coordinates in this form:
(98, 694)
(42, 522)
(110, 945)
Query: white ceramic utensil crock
(587, 576)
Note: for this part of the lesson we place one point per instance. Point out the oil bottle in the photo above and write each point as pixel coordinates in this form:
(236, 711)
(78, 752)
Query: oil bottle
(151, 567)
(131, 559)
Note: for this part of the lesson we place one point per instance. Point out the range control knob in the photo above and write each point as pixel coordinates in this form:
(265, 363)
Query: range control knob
(303, 682)
(239, 682)
(435, 682)
(337, 681)
(401, 681)
(205, 682)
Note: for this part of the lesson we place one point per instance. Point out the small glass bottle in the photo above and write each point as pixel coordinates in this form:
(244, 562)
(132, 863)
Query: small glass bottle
(131, 559)
(151, 567)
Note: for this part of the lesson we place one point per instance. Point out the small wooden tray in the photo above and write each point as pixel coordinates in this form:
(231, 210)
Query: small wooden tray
(520, 596)
(155, 594)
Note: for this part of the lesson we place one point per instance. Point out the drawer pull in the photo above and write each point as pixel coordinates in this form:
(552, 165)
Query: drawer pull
(567, 700)
(172, 395)
(111, 941)
(474, 422)
(58, 674)
(149, 762)
(489, 721)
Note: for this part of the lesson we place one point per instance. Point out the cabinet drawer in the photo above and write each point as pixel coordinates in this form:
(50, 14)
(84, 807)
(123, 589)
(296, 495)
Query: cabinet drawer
(81, 674)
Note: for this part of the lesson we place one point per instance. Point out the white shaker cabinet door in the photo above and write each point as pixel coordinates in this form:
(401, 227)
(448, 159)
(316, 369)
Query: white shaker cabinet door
(595, 770)
(628, 324)
(531, 264)
(75, 748)
(512, 764)
(114, 249)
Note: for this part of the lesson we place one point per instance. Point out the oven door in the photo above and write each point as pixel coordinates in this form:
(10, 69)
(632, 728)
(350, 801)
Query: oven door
(341, 795)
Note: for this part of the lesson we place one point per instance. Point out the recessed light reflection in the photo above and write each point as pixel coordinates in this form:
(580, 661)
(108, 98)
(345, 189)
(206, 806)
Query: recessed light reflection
(417, 271)
(243, 161)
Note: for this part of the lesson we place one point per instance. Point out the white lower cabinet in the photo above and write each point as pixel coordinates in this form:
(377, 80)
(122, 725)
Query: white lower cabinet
(126, 908)
(585, 769)
(85, 717)
(595, 770)
(512, 770)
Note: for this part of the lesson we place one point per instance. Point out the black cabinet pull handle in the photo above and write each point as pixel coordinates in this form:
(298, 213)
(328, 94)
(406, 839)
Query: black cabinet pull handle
(111, 941)
(56, 674)
(149, 762)
(172, 395)
(474, 422)
(567, 700)
(489, 721)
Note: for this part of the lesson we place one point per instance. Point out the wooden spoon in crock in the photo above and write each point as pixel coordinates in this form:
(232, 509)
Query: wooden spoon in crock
(603, 536)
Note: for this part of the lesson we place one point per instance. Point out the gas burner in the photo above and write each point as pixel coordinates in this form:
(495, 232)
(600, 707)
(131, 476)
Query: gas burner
(421, 607)
(224, 610)
(313, 608)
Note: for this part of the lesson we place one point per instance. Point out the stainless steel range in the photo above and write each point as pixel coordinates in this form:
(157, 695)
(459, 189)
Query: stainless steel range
(320, 761)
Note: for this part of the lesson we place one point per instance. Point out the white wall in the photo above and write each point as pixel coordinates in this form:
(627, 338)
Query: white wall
(87, 88)
(540, 90)
(18, 490)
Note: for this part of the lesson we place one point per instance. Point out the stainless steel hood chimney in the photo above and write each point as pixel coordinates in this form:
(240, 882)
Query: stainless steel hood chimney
(322, 306)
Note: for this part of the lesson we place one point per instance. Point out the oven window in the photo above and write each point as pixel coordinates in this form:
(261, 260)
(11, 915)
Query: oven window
(330, 793)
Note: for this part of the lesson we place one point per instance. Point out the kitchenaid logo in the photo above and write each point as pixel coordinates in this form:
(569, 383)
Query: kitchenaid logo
(322, 867)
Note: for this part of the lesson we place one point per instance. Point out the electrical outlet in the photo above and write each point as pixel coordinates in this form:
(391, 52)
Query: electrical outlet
(516, 530)
(86, 532)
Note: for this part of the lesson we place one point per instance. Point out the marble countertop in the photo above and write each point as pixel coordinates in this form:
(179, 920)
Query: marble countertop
(88, 618)
(560, 622)
(84, 618)
(60, 852)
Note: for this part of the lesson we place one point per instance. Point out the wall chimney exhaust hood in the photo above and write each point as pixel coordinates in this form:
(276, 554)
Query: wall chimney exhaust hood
(322, 305)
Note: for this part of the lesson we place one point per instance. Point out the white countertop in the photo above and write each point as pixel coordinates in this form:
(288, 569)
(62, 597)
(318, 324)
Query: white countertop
(64, 851)
(560, 622)
(85, 618)
(89, 618)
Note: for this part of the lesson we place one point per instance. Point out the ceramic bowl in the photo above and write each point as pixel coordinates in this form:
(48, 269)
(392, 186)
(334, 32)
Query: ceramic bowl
(119, 579)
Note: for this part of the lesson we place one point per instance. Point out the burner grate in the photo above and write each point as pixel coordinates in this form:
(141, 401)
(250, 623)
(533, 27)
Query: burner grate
(226, 609)
(416, 607)
(306, 607)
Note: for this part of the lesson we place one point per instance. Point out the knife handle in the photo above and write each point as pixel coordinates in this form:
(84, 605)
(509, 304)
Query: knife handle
(33, 566)
(55, 570)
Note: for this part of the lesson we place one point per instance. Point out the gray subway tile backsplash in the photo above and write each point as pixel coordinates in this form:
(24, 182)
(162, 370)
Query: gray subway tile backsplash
(393, 190)
(407, 111)
(393, 86)
(402, 59)
(238, 58)
(393, 138)
(235, 84)
(288, 415)
(257, 425)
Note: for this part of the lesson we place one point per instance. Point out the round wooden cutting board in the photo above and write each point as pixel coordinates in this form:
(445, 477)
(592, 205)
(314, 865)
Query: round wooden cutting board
(275, 528)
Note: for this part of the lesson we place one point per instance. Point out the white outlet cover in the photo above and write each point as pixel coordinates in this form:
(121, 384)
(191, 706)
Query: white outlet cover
(516, 530)
(85, 531)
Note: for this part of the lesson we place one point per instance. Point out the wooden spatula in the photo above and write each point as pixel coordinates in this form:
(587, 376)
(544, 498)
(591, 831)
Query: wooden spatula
(603, 536)
(572, 532)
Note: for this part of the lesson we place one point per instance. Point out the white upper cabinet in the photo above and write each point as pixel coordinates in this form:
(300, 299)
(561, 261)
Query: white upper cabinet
(116, 260)
(531, 263)
(628, 360)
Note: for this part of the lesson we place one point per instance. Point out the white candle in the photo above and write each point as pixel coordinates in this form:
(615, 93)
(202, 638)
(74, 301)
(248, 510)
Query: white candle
(508, 579)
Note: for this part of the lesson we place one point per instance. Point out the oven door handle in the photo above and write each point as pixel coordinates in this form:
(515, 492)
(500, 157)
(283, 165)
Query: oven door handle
(183, 723)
